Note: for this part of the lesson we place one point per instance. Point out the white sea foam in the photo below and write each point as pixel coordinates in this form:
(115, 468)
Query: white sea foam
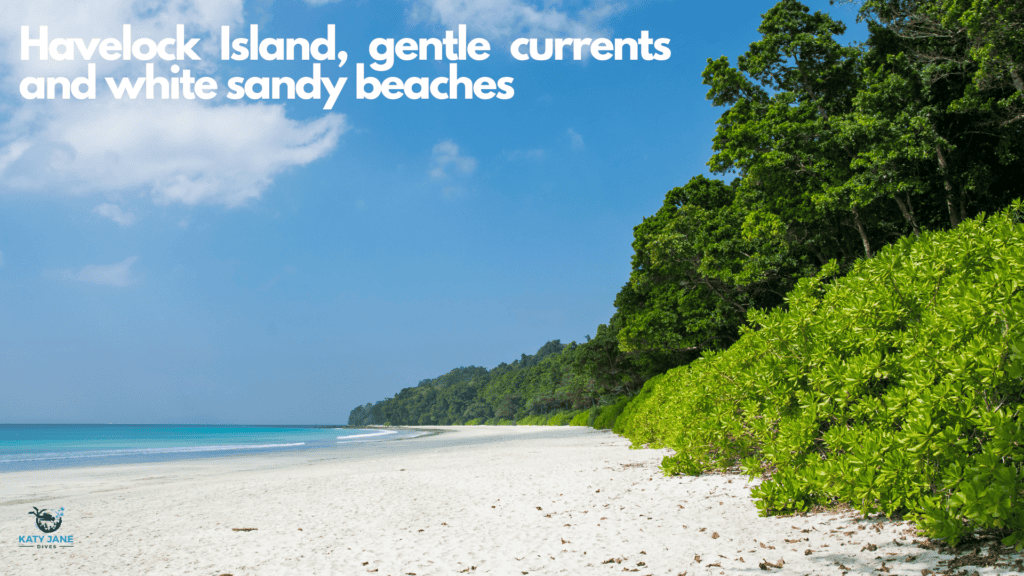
(379, 433)
(140, 451)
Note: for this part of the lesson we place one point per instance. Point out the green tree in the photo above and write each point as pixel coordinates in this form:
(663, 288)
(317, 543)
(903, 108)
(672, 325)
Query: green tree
(942, 106)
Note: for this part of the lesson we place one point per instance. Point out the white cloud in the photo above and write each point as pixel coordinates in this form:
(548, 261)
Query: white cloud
(575, 139)
(446, 156)
(186, 151)
(510, 18)
(118, 274)
(114, 212)
(176, 150)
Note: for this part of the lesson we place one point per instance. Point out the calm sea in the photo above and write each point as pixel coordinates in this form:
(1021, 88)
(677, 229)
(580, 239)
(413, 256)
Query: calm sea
(38, 446)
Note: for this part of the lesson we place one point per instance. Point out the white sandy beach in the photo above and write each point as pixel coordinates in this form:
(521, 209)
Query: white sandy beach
(475, 500)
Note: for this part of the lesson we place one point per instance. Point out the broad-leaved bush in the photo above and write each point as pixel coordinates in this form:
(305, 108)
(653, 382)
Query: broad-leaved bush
(896, 388)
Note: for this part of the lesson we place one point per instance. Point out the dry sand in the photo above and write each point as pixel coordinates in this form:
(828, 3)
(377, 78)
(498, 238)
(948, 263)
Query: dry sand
(472, 500)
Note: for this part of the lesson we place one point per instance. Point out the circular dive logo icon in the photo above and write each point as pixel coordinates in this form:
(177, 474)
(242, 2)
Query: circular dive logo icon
(46, 521)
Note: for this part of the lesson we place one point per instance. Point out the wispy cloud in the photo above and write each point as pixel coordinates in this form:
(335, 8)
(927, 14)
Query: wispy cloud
(118, 274)
(575, 139)
(446, 158)
(115, 213)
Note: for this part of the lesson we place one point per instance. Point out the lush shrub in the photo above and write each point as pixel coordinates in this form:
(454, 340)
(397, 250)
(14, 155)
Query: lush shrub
(606, 416)
(592, 415)
(474, 422)
(500, 422)
(580, 419)
(897, 388)
(560, 419)
(536, 420)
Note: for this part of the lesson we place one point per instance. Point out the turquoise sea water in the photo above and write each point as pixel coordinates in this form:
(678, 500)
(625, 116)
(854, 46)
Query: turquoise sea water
(40, 446)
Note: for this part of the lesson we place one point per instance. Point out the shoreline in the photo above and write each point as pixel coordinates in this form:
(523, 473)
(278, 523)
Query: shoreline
(143, 452)
(505, 500)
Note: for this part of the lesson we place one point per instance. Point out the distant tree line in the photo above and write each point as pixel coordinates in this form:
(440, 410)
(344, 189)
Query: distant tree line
(539, 384)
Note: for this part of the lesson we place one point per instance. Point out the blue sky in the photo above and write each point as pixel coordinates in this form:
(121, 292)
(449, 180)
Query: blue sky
(272, 262)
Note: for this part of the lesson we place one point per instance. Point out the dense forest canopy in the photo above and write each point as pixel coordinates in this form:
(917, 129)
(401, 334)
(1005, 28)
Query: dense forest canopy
(825, 153)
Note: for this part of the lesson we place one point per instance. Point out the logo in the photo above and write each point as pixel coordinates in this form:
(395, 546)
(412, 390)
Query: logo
(48, 522)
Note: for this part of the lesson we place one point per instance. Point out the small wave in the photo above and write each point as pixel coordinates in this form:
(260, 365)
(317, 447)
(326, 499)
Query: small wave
(379, 433)
(140, 451)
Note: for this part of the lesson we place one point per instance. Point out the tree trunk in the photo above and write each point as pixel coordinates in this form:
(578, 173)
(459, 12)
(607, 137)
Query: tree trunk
(817, 254)
(908, 212)
(1018, 83)
(963, 205)
(954, 220)
(863, 232)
